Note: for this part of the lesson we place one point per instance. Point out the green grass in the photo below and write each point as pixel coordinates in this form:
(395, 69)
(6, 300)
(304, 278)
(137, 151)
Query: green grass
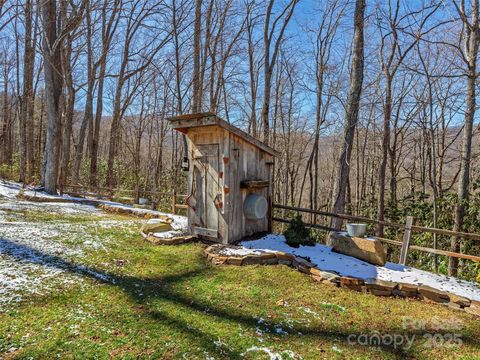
(169, 302)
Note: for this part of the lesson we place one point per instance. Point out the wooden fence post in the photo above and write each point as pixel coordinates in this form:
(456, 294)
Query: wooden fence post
(174, 200)
(406, 240)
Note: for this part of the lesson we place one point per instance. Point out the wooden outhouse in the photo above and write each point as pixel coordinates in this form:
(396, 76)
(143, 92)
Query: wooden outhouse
(229, 179)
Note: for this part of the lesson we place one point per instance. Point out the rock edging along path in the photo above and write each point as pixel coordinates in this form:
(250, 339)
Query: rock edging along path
(105, 206)
(220, 254)
(168, 241)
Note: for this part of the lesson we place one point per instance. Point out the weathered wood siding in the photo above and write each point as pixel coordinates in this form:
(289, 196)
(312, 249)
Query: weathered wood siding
(247, 162)
(238, 160)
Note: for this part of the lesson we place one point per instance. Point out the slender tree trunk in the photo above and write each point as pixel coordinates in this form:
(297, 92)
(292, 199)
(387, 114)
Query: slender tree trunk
(88, 113)
(471, 45)
(26, 107)
(383, 165)
(69, 112)
(197, 101)
(356, 81)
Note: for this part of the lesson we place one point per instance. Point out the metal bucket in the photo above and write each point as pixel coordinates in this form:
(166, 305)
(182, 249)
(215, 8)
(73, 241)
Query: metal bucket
(356, 230)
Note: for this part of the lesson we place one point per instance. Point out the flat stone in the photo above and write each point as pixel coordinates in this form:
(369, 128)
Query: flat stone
(302, 265)
(303, 262)
(319, 275)
(284, 256)
(285, 262)
(315, 271)
(270, 261)
(350, 281)
(459, 300)
(408, 287)
(263, 259)
(367, 249)
(433, 294)
(160, 226)
(380, 284)
(234, 260)
(334, 282)
(407, 290)
(303, 269)
(399, 293)
(219, 260)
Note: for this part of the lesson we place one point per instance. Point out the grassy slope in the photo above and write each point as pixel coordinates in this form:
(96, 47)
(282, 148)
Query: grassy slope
(168, 302)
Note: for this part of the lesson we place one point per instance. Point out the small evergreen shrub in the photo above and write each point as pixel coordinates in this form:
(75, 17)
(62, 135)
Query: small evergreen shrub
(297, 233)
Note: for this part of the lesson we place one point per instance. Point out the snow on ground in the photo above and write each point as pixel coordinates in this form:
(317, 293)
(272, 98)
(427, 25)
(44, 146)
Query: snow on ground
(9, 189)
(242, 251)
(325, 259)
(272, 355)
(181, 221)
(37, 257)
(170, 234)
(53, 208)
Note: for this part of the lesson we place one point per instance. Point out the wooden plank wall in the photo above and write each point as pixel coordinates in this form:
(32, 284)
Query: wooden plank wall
(247, 162)
(238, 160)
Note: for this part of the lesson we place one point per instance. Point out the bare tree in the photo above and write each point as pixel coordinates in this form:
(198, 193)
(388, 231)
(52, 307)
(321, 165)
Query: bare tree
(139, 13)
(351, 117)
(53, 38)
(393, 52)
(197, 86)
(270, 57)
(471, 38)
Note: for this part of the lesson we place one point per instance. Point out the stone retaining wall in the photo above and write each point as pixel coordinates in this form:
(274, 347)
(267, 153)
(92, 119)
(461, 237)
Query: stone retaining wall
(127, 211)
(171, 241)
(218, 254)
(33, 198)
(98, 203)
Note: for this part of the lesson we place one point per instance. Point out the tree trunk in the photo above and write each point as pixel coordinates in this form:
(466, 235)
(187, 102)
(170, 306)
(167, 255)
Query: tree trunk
(351, 120)
(471, 44)
(197, 101)
(53, 96)
(385, 146)
(69, 112)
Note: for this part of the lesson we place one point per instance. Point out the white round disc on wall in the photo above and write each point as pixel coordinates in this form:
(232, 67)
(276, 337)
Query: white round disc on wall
(255, 207)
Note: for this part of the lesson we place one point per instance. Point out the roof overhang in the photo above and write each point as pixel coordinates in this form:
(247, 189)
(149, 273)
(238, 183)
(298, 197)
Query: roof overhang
(184, 122)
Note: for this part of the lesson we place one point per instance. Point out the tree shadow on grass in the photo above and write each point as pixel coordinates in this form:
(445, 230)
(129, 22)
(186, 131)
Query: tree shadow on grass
(142, 290)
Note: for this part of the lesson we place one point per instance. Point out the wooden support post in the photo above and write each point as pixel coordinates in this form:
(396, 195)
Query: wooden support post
(406, 240)
(174, 200)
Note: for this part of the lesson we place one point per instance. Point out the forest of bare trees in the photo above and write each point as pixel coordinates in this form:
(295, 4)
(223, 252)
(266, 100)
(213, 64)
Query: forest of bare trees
(372, 104)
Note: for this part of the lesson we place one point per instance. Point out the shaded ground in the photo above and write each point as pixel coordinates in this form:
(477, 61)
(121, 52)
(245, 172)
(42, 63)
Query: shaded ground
(126, 298)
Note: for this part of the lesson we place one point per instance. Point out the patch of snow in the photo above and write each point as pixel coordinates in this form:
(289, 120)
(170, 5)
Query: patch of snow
(310, 311)
(336, 349)
(39, 257)
(272, 354)
(333, 306)
(169, 234)
(9, 189)
(327, 260)
(179, 222)
(53, 208)
(240, 252)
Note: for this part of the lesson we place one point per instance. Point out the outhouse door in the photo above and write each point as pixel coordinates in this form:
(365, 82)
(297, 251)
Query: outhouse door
(207, 190)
